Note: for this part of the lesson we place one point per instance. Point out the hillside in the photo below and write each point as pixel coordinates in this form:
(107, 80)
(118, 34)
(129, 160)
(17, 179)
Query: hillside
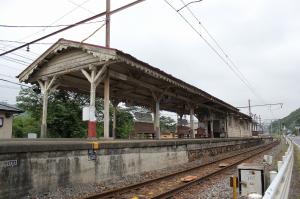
(290, 121)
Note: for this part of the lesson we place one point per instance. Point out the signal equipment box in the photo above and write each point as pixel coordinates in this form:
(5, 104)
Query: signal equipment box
(251, 179)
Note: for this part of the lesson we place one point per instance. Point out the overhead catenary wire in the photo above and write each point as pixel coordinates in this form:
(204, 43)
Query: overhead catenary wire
(8, 76)
(73, 25)
(45, 26)
(17, 61)
(257, 105)
(9, 87)
(18, 55)
(216, 52)
(11, 67)
(93, 33)
(56, 20)
(5, 80)
(27, 53)
(83, 8)
(210, 46)
(221, 49)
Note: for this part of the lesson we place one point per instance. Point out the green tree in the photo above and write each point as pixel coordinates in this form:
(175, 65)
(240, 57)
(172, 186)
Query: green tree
(167, 124)
(124, 123)
(24, 124)
(64, 117)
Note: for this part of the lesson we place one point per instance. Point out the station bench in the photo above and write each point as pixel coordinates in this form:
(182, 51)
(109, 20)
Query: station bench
(183, 132)
(144, 130)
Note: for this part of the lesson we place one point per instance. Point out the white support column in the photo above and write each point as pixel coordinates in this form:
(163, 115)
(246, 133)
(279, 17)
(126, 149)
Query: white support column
(94, 78)
(114, 122)
(226, 125)
(206, 124)
(106, 107)
(192, 122)
(212, 125)
(45, 110)
(115, 105)
(45, 86)
(157, 120)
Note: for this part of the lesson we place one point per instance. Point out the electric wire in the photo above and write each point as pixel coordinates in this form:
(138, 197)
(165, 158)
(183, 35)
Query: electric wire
(28, 53)
(210, 46)
(11, 82)
(93, 33)
(9, 87)
(221, 49)
(19, 55)
(82, 7)
(11, 67)
(55, 21)
(7, 76)
(44, 26)
(241, 77)
(14, 60)
(73, 25)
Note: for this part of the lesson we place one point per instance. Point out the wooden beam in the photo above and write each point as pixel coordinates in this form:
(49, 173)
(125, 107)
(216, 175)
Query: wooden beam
(123, 77)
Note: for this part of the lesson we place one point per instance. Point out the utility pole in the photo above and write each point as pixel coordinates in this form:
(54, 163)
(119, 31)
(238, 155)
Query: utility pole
(107, 79)
(107, 34)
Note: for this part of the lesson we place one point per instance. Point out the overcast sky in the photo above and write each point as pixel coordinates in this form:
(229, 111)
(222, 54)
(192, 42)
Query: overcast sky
(261, 37)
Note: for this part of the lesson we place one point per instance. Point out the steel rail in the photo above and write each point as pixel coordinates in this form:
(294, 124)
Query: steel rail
(180, 188)
(122, 190)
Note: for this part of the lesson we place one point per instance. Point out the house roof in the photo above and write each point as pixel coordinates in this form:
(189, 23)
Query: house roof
(9, 108)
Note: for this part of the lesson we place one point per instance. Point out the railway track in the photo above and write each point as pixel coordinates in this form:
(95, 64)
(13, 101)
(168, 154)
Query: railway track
(168, 185)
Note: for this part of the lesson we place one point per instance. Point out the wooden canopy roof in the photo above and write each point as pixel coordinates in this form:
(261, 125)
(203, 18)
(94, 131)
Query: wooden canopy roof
(131, 80)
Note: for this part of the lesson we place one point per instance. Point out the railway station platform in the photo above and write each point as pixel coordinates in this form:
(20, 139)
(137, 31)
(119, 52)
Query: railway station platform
(45, 164)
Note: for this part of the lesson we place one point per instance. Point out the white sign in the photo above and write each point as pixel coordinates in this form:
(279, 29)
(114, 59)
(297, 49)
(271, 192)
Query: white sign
(88, 113)
(92, 114)
(85, 113)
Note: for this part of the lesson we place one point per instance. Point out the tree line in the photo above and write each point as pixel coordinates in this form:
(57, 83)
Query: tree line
(64, 118)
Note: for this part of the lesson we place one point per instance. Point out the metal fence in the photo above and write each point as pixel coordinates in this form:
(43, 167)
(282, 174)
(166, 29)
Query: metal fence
(280, 186)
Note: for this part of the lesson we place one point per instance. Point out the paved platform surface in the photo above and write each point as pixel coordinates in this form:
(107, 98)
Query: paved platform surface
(65, 144)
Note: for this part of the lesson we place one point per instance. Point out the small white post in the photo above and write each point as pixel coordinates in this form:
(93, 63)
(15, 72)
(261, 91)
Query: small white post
(106, 107)
(272, 175)
(283, 158)
(115, 105)
(44, 116)
(279, 164)
(254, 196)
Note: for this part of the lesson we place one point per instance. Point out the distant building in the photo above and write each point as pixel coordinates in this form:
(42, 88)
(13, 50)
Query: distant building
(6, 119)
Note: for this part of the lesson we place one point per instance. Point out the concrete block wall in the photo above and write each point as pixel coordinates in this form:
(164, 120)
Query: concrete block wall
(238, 128)
(44, 166)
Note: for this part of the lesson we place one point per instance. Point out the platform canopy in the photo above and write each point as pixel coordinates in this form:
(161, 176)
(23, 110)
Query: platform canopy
(131, 80)
(69, 65)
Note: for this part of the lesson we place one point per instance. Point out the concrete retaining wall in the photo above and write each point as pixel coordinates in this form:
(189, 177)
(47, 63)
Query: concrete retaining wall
(42, 166)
